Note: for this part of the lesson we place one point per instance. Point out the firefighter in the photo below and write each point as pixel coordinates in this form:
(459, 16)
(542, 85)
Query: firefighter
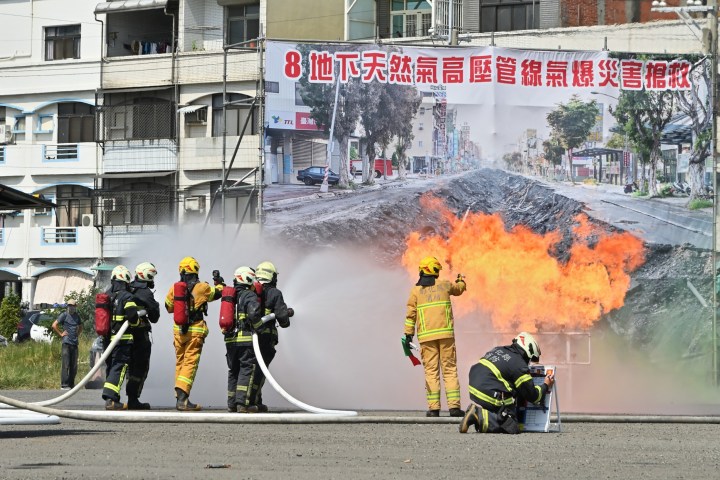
(189, 338)
(141, 288)
(242, 368)
(499, 382)
(123, 308)
(429, 308)
(272, 302)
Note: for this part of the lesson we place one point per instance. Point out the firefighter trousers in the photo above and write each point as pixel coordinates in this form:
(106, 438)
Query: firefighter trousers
(440, 355)
(188, 347)
(242, 369)
(139, 362)
(119, 360)
(502, 421)
(267, 350)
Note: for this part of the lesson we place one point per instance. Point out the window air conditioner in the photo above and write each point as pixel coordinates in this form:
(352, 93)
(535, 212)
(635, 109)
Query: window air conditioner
(198, 117)
(88, 220)
(195, 204)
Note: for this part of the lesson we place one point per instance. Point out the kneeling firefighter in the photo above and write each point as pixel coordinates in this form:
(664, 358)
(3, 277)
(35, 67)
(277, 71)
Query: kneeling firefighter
(187, 300)
(240, 316)
(499, 381)
(272, 302)
(430, 309)
(141, 288)
(122, 308)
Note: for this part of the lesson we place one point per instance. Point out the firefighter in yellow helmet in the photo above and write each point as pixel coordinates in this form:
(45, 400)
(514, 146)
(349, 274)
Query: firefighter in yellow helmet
(429, 309)
(499, 381)
(189, 338)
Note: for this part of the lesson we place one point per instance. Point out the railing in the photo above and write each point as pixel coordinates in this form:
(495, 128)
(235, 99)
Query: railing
(60, 152)
(2, 153)
(2, 236)
(59, 235)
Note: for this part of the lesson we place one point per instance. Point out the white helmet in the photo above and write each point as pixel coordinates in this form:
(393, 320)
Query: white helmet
(245, 276)
(146, 272)
(528, 343)
(121, 273)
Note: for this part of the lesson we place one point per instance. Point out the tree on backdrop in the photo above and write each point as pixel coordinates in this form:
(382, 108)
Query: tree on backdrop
(571, 124)
(320, 97)
(85, 308)
(644, 115)
(553, 150)
(9, 315)
(695, 103)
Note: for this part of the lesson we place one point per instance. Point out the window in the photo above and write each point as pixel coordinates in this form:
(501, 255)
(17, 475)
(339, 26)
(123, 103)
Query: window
(73, 201)
(76, 122)
(45, 124)
(62, 42)
(410, 18)
(298, 97)
(272, 87)
(19, 126)
(237, 113)
(243, 23)
(507, 15)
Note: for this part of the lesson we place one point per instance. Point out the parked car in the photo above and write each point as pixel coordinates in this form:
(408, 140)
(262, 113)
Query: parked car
(34, 325)
(313, 175)
(3, 341)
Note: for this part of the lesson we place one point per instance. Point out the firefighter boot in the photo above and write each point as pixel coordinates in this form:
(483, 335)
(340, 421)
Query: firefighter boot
(111, 404)
(247, 409)
(183, 402)
(135, 404)
(470, 418)
(456, 412)
(432, 413)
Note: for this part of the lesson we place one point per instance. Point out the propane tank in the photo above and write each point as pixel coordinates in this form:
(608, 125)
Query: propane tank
(227, 308)
(180, 306)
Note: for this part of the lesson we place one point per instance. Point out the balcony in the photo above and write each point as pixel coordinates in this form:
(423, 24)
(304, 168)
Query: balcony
(48, 159)
(64, 242)
(138, 71)
(140, 156)
(206, 153)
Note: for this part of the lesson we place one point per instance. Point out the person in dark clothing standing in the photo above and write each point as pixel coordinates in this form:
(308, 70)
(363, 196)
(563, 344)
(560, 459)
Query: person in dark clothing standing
(141, 288)
(272, 302)
(238, 343)
(499, 381)
(123, 309)
(71, 330)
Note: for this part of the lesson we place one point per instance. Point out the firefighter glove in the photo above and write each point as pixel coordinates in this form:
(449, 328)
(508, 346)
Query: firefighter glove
(460, 278)
(291, 312)
(408, 339)
(217, 279)
(549, 381)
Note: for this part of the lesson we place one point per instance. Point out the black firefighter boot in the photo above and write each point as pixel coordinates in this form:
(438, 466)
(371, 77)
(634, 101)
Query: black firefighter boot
(183, 402)
(471, 418)
(135, 404)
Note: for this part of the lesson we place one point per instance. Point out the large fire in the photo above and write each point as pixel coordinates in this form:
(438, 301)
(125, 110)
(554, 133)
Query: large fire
(513, 276)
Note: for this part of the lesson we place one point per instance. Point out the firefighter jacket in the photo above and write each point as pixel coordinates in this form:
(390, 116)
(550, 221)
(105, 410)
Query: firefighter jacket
(123, 308)
(202, 293)
(429, 308)
(145, 299)
(248, 314)
(273, 302)
(501, 378)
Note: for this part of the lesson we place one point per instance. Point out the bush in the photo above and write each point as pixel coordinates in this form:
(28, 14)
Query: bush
(590, 181)
(665, 190)
(699, 203)
(639, 193)
(9, 315)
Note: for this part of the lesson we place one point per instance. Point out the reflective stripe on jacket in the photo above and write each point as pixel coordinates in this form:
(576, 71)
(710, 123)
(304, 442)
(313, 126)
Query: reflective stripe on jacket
(430, 311)
(247, 313)
(202, 293)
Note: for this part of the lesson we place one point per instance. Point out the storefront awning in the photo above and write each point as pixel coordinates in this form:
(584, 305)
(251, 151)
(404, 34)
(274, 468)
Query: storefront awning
(129, 5)
(53, 286)
(11, 198)
(191, 108)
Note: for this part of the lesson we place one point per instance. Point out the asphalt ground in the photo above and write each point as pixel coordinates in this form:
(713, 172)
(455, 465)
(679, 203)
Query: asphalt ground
(81, 449)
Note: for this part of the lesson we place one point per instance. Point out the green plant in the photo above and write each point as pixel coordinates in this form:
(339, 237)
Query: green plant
(699, 203)
(590, 181)
(9, 315)
(36, 365)
(665, 190)
(639, 193)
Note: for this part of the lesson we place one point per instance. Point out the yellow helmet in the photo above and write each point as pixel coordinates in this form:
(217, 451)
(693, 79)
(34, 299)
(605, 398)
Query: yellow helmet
(189, 265)
(266, 272)
(146, 272)
(430, 266)
(121, 273)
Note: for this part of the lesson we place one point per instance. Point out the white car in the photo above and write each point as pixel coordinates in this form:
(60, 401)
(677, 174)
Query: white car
(41, 334)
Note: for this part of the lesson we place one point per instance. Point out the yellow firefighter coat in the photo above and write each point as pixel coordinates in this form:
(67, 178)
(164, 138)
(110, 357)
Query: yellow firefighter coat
(430, 309)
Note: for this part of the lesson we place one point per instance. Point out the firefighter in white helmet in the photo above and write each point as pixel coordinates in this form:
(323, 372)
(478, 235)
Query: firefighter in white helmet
(429, 309)
(242, 367)
(499, 381)
(272, 302)
(142, 288)
(123, 308)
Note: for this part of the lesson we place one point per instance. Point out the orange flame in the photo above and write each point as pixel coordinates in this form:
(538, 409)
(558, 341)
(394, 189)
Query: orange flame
(513, 276)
